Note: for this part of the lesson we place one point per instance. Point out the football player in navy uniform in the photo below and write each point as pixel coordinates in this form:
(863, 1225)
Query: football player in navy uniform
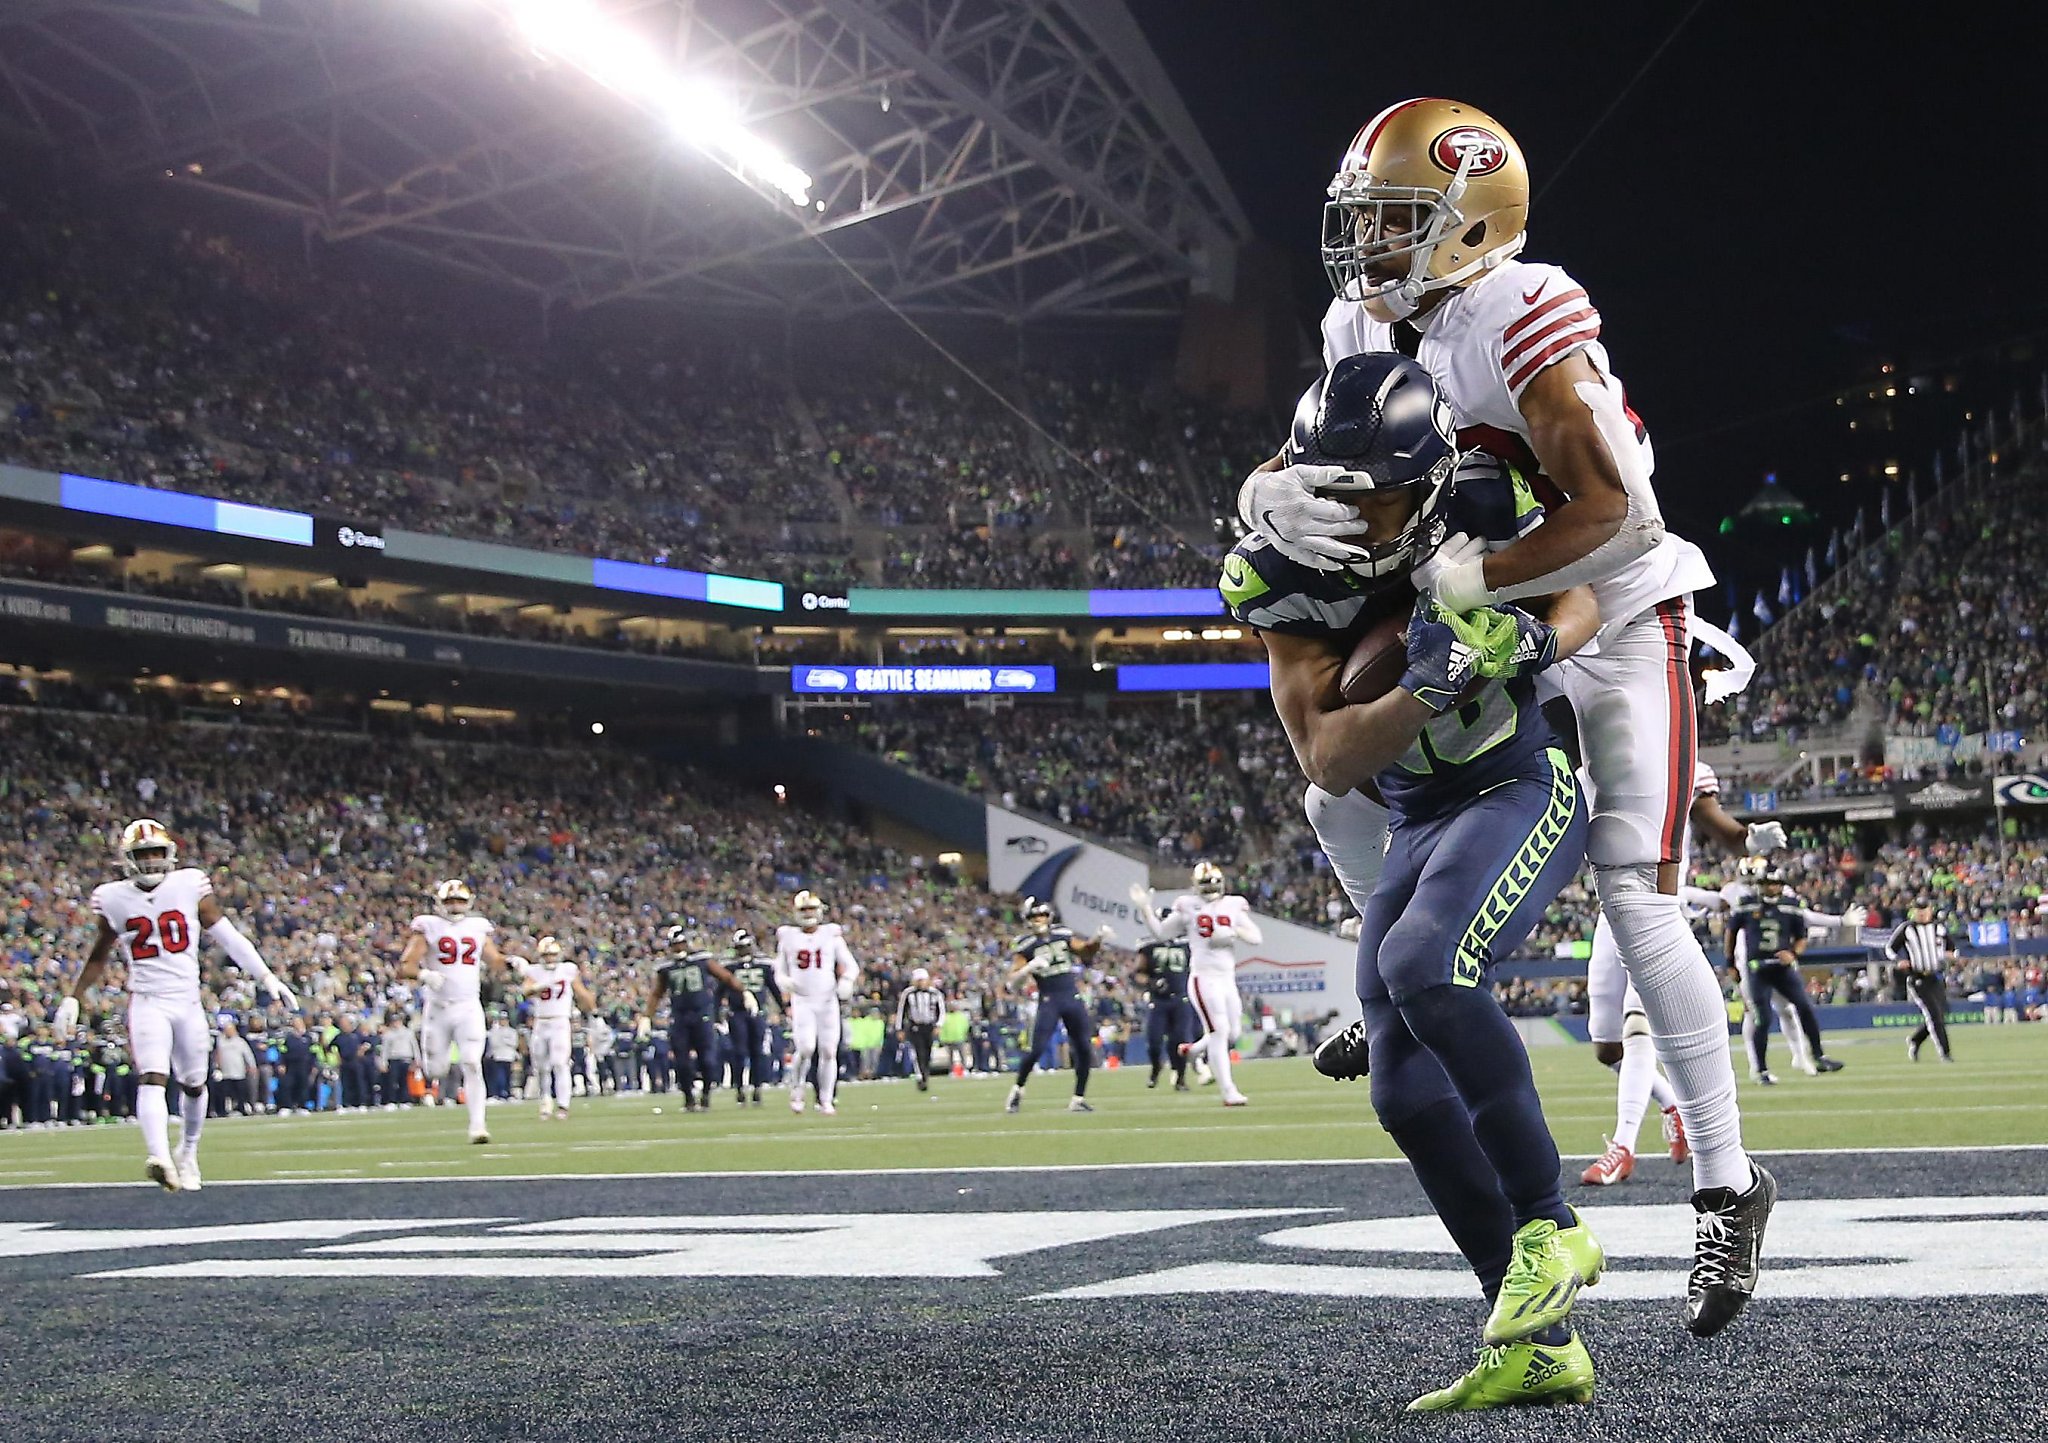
(747, 1022)
(1768, 932)
(1163, 972)
(686, 979)
(1053, 955)
(1487, 826)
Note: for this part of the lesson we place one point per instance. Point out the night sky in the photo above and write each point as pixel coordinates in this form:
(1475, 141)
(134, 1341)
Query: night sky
(1790, 196)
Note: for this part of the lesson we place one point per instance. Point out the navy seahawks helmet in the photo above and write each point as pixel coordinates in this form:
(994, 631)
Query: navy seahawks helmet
(1381, 417)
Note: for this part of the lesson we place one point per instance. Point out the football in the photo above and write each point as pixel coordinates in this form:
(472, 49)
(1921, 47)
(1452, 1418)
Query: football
(1375, 665)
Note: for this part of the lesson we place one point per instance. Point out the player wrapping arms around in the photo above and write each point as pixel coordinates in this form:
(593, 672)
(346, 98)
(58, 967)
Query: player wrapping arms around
(448, 952)
(746, 1023)
(1213, 921)
(1424, 219)
(555, 988)
(1053, 956)
(692, 979)
(154, 915)
(1488, 826)
(1616, 1022)
(816, 971)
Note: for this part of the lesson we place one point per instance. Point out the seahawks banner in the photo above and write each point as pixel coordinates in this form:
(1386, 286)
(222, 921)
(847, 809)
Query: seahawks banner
(1296, 969)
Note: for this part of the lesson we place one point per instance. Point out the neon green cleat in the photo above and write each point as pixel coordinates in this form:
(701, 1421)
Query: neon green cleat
(1549, 1266)
(1513, 1375)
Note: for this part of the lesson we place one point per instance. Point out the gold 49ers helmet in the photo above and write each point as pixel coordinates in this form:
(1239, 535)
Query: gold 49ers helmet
(1430, 194)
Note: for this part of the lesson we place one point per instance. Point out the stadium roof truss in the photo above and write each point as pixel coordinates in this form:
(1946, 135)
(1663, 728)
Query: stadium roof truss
(1012, 159)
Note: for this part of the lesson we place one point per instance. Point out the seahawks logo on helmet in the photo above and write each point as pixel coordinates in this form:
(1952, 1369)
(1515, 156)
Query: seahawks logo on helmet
(1038, 915)
(677, 936)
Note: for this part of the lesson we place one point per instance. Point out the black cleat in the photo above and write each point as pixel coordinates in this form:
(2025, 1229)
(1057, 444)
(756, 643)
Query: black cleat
(1727, 1251)
(757, 1097)
(1826, 1064)
(689, 1102)
(1343, 1058)
(1153, 1080)
(924, 1084)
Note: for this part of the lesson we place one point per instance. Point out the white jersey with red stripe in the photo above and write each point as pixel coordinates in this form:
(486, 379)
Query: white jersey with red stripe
(552, 994)
(808, 965)
(1212, 950)
(1484, 344)
(159, 931)
(455, 950)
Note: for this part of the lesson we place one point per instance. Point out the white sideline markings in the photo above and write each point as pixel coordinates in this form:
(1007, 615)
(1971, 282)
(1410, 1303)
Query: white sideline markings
(991, 1168)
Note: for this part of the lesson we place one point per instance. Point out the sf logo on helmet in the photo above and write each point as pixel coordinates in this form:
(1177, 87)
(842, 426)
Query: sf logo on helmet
(1488, 151)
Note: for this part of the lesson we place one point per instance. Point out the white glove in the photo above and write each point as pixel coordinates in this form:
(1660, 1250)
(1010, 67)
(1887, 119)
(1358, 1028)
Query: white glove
(1455, 575)
(749, 1002)
(274, 984)
(1765, 837)
(1141, 895)
(432, 981)
(846, 989)
(1223, 927)
(1313, 530)
(517, 963)
(1106, 932)
(67, 1018)
(1348, 928)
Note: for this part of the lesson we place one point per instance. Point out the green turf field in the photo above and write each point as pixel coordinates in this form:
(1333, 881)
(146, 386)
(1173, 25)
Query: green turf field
(1994, 1095)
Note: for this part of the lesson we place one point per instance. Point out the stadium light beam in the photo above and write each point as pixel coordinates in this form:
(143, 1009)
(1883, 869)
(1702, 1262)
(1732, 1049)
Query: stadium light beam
(577, 33)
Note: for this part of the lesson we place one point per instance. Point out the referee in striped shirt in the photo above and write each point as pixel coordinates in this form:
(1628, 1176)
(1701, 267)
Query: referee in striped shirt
(918, 1013)
(1920, 948)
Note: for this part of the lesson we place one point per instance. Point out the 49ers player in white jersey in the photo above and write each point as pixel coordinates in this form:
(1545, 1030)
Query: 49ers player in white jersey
(1214, 922)
(155, 915)
(1421, 231)
(816, 971)
(448, 951)
(557, 990)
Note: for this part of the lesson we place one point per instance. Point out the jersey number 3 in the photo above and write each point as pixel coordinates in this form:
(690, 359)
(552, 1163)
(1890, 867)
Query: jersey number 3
(169, 929)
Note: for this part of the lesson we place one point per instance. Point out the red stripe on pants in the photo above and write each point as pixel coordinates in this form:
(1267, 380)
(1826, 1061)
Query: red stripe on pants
(1201, 1006)
(1684, 735)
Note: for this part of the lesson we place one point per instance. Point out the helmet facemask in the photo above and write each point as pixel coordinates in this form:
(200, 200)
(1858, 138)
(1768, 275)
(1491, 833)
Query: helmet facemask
(146, 866)
(1367, 225)
(1208, 879)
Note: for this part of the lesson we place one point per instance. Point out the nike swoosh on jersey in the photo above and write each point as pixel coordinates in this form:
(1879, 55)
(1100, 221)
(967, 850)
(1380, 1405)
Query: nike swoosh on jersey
(1529, 297)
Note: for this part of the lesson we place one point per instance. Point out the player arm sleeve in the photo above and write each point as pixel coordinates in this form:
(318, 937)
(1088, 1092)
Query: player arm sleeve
(241, 951)
(1703, 898)
(1247, 928)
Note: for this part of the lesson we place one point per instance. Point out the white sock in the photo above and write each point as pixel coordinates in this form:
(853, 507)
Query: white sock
(828, 1078)
(1796, 1040)
(192, 1112)
(1219, 1063)
(561, 1076)
(1660, 1090)
(1687, 1017)
(473, 1091)
(1638, 1068)
(800, 1069)
(154, 1114)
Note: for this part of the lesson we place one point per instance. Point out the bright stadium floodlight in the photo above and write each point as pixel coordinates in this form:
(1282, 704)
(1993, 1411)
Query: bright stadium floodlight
(577, 33)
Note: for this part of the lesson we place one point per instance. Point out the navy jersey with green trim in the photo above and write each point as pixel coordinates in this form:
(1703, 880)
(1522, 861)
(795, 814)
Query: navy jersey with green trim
(1497, 735)
(1166, 970)
(1763, 928)
(1052, 961)
(690, 985)
(755, 974)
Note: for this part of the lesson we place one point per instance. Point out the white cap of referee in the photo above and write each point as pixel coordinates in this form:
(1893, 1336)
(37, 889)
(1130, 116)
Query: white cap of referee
(919, 976)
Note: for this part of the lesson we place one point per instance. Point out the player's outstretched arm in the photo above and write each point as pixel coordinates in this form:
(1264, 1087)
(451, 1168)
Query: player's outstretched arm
(1338, 744)
(242, 952)
(1161, 927)
(585, 998)
(87, 979)
(415, 953)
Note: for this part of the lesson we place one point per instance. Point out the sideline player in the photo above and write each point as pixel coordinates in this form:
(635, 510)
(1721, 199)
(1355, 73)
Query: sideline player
(1425, 217)
(448, 951)
(1768, 934)
(816, 971)
(1213, 921)
(556, 989)
(685, 979)
(1488, 827)
(154, 914)
(1615, 1020)
(746, 1027)
(1162, 971)
(1053, 955)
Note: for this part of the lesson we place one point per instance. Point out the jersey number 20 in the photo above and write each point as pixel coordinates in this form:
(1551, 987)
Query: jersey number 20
(170, 930)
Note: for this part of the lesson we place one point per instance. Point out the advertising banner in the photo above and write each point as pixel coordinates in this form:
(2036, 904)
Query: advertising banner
(850, 680)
